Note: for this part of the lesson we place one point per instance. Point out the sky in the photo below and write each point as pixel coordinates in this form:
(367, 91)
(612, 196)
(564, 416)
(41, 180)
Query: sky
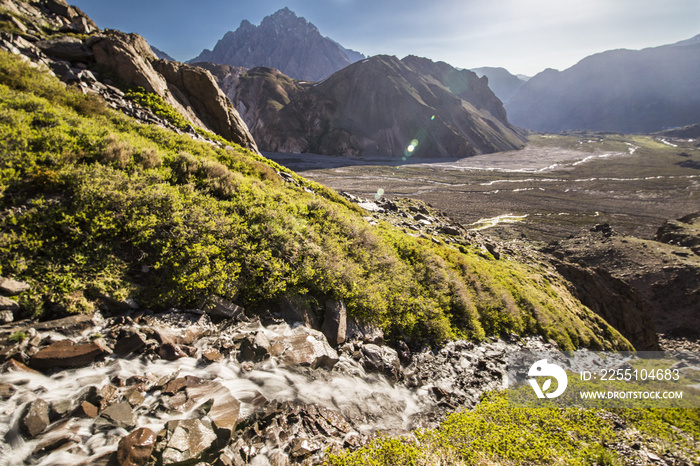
(523, 36)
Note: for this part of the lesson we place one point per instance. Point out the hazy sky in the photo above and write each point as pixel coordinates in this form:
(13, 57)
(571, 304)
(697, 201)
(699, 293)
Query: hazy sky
(524, 36)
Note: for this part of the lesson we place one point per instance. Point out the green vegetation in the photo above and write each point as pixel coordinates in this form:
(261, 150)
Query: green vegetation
(497, 432)
(18, 336)
(95, 207)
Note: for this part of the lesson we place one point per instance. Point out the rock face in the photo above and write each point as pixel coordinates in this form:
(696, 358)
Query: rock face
(615, 301)
(629, 91)
(283, 41)
(128, 58)
(683, 232)
(382, 107)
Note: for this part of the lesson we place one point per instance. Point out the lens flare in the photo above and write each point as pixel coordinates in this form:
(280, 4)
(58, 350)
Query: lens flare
(379, 194)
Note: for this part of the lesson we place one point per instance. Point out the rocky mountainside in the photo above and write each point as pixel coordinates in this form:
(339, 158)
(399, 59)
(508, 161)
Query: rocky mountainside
(80, 53)
(501, 81)
(629, 91)
(283, 41)
(161, 54)
(381, 106)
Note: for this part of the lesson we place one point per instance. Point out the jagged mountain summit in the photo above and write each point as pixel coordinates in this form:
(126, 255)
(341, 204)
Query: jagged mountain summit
(503, 83)
(379, 107)
(283, 41)
(629, 91)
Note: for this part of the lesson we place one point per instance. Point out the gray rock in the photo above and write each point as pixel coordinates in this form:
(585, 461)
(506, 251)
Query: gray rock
(7, 304)
(308, 348)
(254, 348)
(13, 287)
(381, 359)
(66, 48)
(218, 307)
(296, 309)
(187, 440)
(35, 419)
(335, 322)
(365, 332)
(6, 317)
(119, 415)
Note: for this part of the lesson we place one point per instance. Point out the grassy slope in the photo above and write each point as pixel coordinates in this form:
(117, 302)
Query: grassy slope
(91, 199)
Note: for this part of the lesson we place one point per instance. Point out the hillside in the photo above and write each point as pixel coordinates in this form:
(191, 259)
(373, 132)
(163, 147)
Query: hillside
(381, 107)
(627, 91)
(282, 41)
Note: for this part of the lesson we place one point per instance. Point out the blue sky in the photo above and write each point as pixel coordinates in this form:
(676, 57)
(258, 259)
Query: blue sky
(524, 36)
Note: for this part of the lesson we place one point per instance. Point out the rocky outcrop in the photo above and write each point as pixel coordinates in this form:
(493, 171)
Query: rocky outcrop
(684, 232)
(381, 107)
(615, 301)
(283, 41)
(105, 57)
(665, 275)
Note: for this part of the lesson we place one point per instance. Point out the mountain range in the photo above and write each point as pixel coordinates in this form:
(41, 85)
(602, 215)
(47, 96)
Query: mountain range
(501, 81)
(628, 91)
(283, 41)
(381, 106)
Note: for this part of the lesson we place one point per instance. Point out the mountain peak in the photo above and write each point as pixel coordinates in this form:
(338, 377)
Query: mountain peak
(283, 41)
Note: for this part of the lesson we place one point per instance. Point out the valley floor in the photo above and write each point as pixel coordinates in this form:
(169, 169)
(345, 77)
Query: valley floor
(560, 184)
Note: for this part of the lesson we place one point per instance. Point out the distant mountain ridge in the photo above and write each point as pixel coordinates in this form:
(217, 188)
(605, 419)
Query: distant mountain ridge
(283, 41)
(628, 91)
(503, 83)
(381, 106)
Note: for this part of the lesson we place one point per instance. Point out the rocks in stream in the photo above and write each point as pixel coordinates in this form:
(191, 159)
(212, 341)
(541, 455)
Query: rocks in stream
(237, 390)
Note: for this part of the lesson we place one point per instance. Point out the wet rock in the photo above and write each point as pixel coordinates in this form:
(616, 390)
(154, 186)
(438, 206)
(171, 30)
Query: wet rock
(7, 304)
(218, 307)
(224, 409)
(175, 385)
(302, 448)
(13, 287)
(66, 354)
(171, 352)
(335, 322)
(119, 415)
(212, 355)
(59, 409)
(86, 409)
(69, 326)
(6, 390)
(53, 443)
(308, 348)
(129, 342)
(381, 359)
(135, 449)
(13, 365)
(255, 348)
(187, 440)
(35, 419)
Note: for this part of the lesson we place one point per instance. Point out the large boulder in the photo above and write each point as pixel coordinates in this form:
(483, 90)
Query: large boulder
(65, 354)
(13, 287)
(305, 347)
(66, 48)
(335, 321)
(383, 360)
